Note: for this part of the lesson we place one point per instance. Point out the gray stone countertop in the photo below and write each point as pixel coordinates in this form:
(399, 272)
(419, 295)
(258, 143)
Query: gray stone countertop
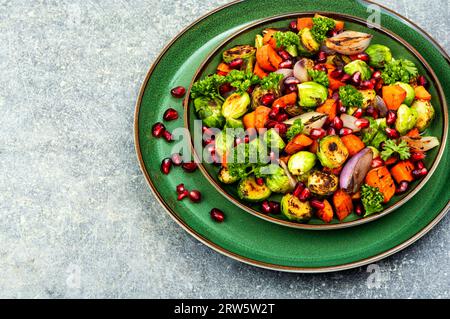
(76, 216)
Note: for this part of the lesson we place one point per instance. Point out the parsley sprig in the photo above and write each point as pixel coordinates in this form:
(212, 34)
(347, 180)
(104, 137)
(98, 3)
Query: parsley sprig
(319, 77)
(295, 129)
(401, 70)
(321, 26)
(350, 96)
(372, 199)
(391, 148)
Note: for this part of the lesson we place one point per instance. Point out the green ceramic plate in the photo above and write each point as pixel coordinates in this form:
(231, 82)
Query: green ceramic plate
(399, 48)
(243, 236)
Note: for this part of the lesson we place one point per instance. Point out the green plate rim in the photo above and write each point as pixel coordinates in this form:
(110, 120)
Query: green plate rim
(246, 260)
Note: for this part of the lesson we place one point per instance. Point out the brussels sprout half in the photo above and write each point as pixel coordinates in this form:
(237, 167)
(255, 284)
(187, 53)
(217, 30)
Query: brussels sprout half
(308, 41)
(425, 114)
(236, 105)
(406, 119)
(410, 93)
(240, 51)
(209, 110)
(322, 183)
(273, 139)
(278, 181)
(250, 191)
(295, 210)
(301, 162)
(225, 177)
(379, 55)
(359, 66)
(311, 94)
(332, 152)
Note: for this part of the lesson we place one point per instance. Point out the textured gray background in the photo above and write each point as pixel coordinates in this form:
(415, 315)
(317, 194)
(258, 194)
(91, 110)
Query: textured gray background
(72, 198)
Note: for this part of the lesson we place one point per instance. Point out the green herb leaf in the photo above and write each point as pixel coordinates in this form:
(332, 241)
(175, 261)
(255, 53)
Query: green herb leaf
(401, 70)
(271, 82)
(286, 39)
(319, 77)
(321, 26)
(372, 199)
(391, 148)
(295, 129)
(350, 96)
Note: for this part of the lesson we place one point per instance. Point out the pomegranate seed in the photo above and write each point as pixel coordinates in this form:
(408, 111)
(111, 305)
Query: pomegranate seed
(282, 117)
(293, 26)
(189, 167)
(298, 189)
(274, 113)
(158, 129)
(332, 33)
(177, 159)
(271, 124)
(195, 196)
(345, 131)
(420, 165)
(358, 113)
(392, 133)
(178, 92)
(378, 87)
(259, 181)
(290, 88)
(337, 123)
(372, 112)
(170, 114)
(337, 74)
(251, 89)
(267, 99)
(391, 117)
(281, 127)
(421, 80)
(225, 88)
(181, 188)
(167, 136)
(166, 165)
(284, 55)
(341, 107)
(321, 67)
(275, 207)
(377, 162)
(222, 73)
(211, 149)
(322, 57)
(291, 80)
(346, 77)
(417, 156)
(356, 78)
(335, 96)
(317, 133)
(362, 123)
(376, 75)
(361, 56)
(236, 63)
(287, 64)
(402, 187)
(183, 195)
(331, 131)
(368, 85)
(304, 195)
(317, 204)
(217, 215)
(359, 209)
(418, 173)
(265, 206)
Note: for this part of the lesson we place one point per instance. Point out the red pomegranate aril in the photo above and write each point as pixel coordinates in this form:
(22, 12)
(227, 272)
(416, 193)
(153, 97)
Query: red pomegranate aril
(284, 55)
(304, 195)
(377, 162)
(420, 165)
(331, 131)
(298, 189)
(225, 88)
(158, 129)
(317, 204)
(372, 112)
(345, 131)
(392, 133)
(391, 117)
(293, 26)
(418, 173)
(290, 88)
(322, 57)
(317, 133)
(287, 64)
(236, 63)
(189, 167)
(167, 136)
(177, 159)
(376, 75)
(281, 127)
(274, 113)
(271, 124)
(282, 117)
(358, 113)
(402, 187)
(267, 99)
(265, 207)
(166, 165)
(359, 209)
(346, 77)
(183, 195)
(181, 188)
(356, 78)
(362, 123)
(361, 56)
(170, 114)
(341, 107)
(337, 123)
(195, 196)
(217, 215)
(422, 80)
(250, 89)
(321, 67)
(337, 74)
(335, 96)
(259, 181)
(291, 80)
(417, 156)
(275, 207)
(178, 92)
(367, 85)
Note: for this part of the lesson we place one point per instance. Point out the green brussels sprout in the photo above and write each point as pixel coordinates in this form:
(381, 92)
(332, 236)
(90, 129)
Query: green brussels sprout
(250, 191)
(359, 66)
(410, 93)
(295, 210)
(375, 151)
(322, 183)
(308, 41)
(273, 139)
(209, 110)
(406, 119)
(278, 181)
(332, 152)
(236, 105)
(368, 97)
(224, 142)
(240, 51)
(311, 94)
(425, 114)
(301, 162)
(233, 123)
(379, 55)
(259, 41)
(225, 177)
(257, 94)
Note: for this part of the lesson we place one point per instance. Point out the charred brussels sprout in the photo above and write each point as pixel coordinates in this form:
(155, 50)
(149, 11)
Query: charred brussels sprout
(236, 105)
(301, 162)
(368, 97)
(322, 183)
(250, 191)
(257, 94)
(359, 66)
(233, 123)
(425, 114)
(209, 110)
(410, 94)
(406, 119)
(225, 177)
(308, 41)
(311, 94)
(379, 55)
(273, 139)
(278, 181)
(332, 153)
(295, 210)
(240, 51)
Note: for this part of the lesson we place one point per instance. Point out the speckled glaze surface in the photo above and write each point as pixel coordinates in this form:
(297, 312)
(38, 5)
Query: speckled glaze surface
(77, 217)
(242, 236)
